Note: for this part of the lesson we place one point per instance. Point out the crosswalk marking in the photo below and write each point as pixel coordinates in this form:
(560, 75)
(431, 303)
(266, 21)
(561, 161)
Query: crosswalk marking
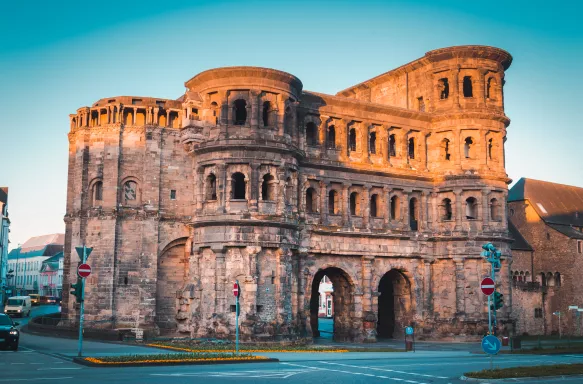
(385, 370)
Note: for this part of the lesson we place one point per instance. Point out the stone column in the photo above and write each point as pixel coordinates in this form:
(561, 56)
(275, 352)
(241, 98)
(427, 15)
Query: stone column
(222, 181)
(460, 281)
(405, 210)
(457, 151)
(86, 118)
(405, 148)
(323, 201)
(322, 132)
(386, 206)
(369, 315)
(424, 152)
(365, 142)
(256, 109)
(458, 209)
(280, 194)
(167, 118)
(253, 187)
(108, 111)
(423, 212)
(345, 129)
(456, 87)
(480, 91)
(249, 285)
(199, 188)
(428, 289)
(366, 205)
(485, 210)
(345, 205)
(434, 222)
(220, 270)
(156, 112)
(280, 115)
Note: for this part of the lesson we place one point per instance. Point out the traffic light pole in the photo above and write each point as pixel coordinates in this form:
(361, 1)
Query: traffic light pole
(82, 308)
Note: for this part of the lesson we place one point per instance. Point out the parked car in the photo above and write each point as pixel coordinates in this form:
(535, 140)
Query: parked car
(9, 334)
(34, 298)
(18, 306)
(52, 300)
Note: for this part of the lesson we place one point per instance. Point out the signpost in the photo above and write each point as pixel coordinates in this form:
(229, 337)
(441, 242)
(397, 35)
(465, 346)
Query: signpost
(558, 313)
(83, 271)
(490, 344)
(237, 294)
(409, 332)
(487, 286)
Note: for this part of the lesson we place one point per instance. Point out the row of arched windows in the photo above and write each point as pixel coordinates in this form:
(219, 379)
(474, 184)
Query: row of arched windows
(548, 279)
(239, 187)
(129, 193)
(467, 87)
(240, 112)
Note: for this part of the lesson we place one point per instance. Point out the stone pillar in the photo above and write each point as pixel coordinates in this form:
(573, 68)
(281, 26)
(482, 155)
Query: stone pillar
(280, 115)
(456, 87)
(423, 221)
(280, 192)
(366, 205)
(480, 90)
(485, 209)
(364, 142)
(368, 314)
(220, 270)
(428, 289)
(256, 109)
(460, 282)
(405, 148)
(108, 111)
(322, 132)
(386, 206)
(323, 202)
(155, 117)
(425, 150)
(345, 132)
(345, 205)
(253, 187)
(458, 209)
(199, 188)
(434, 222)
(222, 181)
(134, 114)
(167, 118)
(405, 210)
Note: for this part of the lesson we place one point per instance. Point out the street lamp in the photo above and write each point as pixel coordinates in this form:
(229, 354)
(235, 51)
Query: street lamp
(558, 313)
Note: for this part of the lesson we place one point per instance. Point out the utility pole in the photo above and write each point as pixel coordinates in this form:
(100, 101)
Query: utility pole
(79, 291)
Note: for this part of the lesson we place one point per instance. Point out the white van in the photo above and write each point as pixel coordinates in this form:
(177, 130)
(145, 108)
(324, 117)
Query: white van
(18, 306)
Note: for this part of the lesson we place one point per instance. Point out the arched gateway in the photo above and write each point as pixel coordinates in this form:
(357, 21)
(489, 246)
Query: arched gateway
(394, 304)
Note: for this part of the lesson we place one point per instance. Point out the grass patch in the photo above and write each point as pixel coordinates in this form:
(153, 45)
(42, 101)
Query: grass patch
(534, 371)
(172, 358)
(558, 350)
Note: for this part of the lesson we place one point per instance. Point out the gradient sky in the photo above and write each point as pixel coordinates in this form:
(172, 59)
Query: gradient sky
(57, 58)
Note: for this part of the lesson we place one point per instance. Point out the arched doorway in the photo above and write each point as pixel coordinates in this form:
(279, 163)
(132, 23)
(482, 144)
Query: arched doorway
(394, 304)
(171, 272)
(342, 304)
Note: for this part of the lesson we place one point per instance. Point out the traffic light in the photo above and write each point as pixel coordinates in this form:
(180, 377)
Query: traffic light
(498, 301)
(77, 290)
(489, 247)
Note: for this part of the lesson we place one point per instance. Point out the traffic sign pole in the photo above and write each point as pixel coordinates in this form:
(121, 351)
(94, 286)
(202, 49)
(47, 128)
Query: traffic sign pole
(237, 293)
(82, 309)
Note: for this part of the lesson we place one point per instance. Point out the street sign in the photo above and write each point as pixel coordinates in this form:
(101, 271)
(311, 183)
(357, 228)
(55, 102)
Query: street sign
(83, 270)
(236, 290)
(487, 286)
(491, 345)
(408, 330)
(80, 252)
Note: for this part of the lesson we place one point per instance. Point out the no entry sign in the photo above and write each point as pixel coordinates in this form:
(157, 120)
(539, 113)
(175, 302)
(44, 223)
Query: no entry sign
(487, 286)
(83, 270)
(236, 290)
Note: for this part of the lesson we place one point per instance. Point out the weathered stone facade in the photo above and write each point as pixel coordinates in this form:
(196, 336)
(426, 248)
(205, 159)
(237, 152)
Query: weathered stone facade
(389, 188)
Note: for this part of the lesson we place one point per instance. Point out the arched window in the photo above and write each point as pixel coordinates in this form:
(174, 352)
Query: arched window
(395, 208)
(527, 276)
(521, 276)
(447, 211)
(268, 188)
(311, 201)
(543, 279)
(130, 192)
(372, 143)
(97, 193)
(352, 140)
(266, 111)
(240, 112)
(557, 279)
(289, 190)
(392, 146)
(494, 210)
(215, 112)
(443, 88)
(471, 208)
(238, 186)
(211, 187)
(490, 145)
(374, 204)
(550, 279)
(333, 202)
(468, 146)
(411, 148)
(490, 88)
(354, 204)
(311, 134)
(515, 277)
(468, 92)
(445, 147)
(413, 214)
(331, 138)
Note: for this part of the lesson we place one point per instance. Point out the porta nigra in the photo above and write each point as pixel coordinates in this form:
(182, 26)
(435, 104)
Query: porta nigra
(389, 188)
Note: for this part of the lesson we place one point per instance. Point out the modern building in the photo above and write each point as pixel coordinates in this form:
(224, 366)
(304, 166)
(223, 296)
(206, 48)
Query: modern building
(546, 221)
(326, 290)
(51, 276)
(389, 188)
(26, 262)
(4, 232)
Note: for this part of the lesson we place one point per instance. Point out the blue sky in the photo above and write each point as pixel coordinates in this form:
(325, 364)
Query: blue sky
(57, 58)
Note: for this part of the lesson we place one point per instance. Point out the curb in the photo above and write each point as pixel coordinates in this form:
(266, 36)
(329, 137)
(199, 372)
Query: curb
(465, 378)
(82, 361)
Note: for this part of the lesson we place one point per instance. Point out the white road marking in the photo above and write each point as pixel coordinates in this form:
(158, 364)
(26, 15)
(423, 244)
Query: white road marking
(38, 378)
(16, 363)
(352, 373)
(280, 374)
(47, 369)
(384, 370)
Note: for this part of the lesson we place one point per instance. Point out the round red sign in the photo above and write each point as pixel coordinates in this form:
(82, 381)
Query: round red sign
(487, 286)
(236, 290)
(83, 270)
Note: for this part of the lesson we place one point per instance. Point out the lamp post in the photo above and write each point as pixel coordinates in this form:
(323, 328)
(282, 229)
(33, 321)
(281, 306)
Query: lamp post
(558, 313)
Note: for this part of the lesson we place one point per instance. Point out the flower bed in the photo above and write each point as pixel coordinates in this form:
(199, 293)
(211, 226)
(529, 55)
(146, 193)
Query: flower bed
(531, 371)
(172, 359)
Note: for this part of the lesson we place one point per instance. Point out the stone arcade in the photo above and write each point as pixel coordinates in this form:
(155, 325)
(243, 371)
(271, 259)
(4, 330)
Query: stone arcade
(389, 188)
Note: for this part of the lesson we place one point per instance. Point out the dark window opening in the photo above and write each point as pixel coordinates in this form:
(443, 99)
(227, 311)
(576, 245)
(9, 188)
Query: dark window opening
(413, 214)
(468, 92)
(238, 186)
(148, 135)
(233, 308)
(98, 191)
(268, 188)
(136, 101)
(287, 121)
(331, 139)
(372, 143)
(374, 205)
(489, 85)
(311, 134)
(468, 145)
(411, 148)
(444, 88)
(392, 146)
(471, 208)
(538, 313)
(446, 154)
(421, 104)
(352, 140)
(579, 246)
(159, 103)
(447, 211)
(333, 202)
(125, 280)
(490, 145)
(395, 208)
(240, 112)
(130, 190)
(557, 279)
(211, 187)
(494, 210)
(259, 308)
(354, 204)
(172, 194)
(311, 203)
(266, 110)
